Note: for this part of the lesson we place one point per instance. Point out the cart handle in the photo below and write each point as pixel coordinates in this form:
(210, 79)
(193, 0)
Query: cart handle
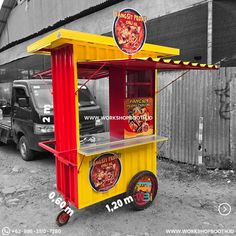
(45, 146)
(66, 162)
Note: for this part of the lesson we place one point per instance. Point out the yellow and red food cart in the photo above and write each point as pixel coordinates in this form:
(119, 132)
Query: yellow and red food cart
(122, 160)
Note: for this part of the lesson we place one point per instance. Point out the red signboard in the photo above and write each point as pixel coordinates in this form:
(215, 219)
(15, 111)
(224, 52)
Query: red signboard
(105, 172)
(129, 31)
(140, 117)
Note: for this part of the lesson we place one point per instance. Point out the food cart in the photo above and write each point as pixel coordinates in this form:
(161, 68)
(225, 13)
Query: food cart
(122, 160)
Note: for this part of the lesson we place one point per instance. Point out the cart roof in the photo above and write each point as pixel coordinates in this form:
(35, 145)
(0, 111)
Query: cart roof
(95, 47)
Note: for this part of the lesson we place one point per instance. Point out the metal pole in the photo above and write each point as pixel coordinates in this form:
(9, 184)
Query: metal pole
(200, 138)
(209, 31)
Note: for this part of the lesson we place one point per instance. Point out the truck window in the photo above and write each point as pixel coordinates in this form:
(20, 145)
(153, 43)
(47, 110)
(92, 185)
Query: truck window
(5, 98)
(19, 93)
(42, 94)
(85, 97)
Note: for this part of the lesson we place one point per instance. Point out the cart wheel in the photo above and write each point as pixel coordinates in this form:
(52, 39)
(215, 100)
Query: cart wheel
(143, 189)
(62, 218)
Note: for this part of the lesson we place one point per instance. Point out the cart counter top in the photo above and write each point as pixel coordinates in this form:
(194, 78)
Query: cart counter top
(104, 143)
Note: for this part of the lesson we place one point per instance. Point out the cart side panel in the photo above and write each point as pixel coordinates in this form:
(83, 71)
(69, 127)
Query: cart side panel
(117, 97)
(133, 160)
(65, 122)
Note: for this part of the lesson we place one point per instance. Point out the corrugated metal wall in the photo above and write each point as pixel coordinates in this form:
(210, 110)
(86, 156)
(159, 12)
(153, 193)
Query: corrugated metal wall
(207, 94)
(232, 73)
(198, 94)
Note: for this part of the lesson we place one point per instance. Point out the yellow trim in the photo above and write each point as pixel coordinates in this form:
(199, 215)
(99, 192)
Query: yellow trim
(186, 63)
(167, 60)
(177, 62)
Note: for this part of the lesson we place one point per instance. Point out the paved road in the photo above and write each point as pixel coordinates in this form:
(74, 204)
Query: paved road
(185, 201)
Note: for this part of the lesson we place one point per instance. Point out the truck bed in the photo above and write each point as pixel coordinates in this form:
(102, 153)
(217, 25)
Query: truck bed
(5, 129)
(6, 122)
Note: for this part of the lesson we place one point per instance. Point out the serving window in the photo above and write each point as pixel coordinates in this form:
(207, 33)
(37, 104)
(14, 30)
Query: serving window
(131, 105)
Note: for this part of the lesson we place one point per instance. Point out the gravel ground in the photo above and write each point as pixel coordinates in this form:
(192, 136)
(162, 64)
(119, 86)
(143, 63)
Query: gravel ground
(185, 200)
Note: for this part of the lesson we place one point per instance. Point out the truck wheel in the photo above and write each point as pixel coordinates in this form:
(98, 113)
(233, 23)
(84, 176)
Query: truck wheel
(26, 153)
(143, 189)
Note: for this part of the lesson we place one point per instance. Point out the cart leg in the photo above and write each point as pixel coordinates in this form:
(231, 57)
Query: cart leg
(63, 217)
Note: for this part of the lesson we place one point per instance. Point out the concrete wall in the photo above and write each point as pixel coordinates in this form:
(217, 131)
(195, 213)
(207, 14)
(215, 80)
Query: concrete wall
(186, 29)
(41, 14)
(224, 30)
(101, 22)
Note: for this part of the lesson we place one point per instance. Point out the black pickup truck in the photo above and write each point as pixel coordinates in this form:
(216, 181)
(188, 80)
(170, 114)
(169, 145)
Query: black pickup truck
(30, 120)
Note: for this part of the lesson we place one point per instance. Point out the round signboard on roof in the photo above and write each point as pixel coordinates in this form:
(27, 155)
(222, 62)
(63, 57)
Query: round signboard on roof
(129, 31)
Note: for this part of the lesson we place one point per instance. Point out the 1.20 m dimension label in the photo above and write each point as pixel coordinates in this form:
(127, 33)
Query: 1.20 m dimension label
(119, 203)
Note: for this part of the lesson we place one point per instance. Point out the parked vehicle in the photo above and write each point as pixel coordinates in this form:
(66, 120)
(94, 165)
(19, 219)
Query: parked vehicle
(31, 119)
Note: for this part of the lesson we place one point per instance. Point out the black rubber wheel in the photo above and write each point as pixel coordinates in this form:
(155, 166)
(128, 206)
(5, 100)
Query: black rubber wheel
(62, 218)
(26, 153)
(143, 189)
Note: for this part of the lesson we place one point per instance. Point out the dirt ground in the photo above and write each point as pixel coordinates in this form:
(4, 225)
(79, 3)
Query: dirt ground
(185, 200)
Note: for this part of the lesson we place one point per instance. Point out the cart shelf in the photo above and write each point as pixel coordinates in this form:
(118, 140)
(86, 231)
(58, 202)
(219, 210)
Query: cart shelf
(105, 143)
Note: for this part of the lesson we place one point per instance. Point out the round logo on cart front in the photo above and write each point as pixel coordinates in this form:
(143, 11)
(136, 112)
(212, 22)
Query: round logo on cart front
(105, 172)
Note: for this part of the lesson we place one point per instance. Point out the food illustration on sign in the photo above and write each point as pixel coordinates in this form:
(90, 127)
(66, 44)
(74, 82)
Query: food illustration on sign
(105, 172)
(129, 31)
(140, 120)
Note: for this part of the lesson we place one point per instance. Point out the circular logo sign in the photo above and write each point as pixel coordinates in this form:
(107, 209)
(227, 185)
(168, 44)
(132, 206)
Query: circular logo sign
(105, 172)
(143, 191)
(129, 31)
(224, 209)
